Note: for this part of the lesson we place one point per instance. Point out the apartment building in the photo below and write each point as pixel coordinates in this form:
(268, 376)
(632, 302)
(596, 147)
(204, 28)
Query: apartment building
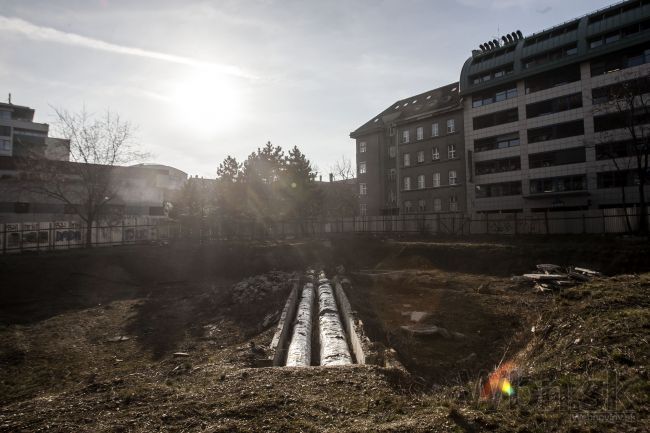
(20, 136)
(410, 157)
(540, 131)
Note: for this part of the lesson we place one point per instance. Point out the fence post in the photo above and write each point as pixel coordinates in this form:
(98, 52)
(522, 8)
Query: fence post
(546, 220)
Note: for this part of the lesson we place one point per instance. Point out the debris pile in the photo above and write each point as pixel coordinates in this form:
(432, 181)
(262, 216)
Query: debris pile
(259, 287)
(554, 277)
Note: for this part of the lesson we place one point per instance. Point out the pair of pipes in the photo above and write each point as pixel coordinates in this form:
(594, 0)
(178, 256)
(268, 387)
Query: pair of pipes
(333, 344)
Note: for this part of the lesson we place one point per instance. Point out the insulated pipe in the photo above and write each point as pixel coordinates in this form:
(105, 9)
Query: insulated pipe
(299, 352)
(333, 345)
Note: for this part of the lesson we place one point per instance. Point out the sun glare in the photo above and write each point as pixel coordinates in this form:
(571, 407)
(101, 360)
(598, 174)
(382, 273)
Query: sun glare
(207, 102)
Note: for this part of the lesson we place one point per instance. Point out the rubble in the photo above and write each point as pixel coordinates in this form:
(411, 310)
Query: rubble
(554, 277)
(259, 287)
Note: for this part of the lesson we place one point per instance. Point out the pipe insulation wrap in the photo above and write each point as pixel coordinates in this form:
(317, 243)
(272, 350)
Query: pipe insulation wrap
(333, 345)
(299, 352)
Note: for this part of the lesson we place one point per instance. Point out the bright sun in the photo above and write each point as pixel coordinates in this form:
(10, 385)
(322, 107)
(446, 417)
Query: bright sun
(207, 102)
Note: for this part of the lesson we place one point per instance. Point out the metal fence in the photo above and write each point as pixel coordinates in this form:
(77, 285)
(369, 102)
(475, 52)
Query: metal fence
(17, 237)
(43, 236)
(605, 221)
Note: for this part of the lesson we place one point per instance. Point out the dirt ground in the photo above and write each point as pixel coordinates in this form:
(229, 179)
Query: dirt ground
(174, 339)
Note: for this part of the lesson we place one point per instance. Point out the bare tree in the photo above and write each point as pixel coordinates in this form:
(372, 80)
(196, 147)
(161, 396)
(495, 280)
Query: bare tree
(89, 182)
(625, 106)
(343, 169)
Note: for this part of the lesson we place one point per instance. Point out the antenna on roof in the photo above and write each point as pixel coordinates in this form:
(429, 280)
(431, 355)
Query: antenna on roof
(9, 100)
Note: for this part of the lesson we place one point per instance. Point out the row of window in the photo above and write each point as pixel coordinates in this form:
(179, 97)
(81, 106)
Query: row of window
(537, 186)
(535, 135)
(621, 90)
(493, 74)
(574, 155)
(421, 179)
(437, 205)
(550, 56)
(634, 56)
(610, 179)
(611, 37)
(537, 109)
(435, 131)
(435, 155)
(494, 95)
(616, 11)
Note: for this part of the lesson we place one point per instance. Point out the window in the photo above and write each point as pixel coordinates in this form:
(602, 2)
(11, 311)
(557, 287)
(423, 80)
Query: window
(5, 144)
(392, 196)
(496, 142)
(558, 184)
(550, 56)
(437, 205)
(362, 168)
(490, 75)
(422, 205)
(453, 203)
(557, 131)
(492, 96)
(405, 136)
(451, 126)
(363, 189)
(615, 149)
(498, 118)
(639, 86)
(619, 120)
(434, 130)
(574, 155)
(558, 77)
(616, 35)
(363, 209)
(498, 189)
(621, 59)
(5, 115)
(391, 174)
(420, 132)
(421, 181)
(392, 151)
(436, 180)
(407, 159)
(555, 105)
(435, 154)
(21, 207)
(497, 166)
(617, 179)
(5, 130)
(407, 183)
(408, 207)
(451, 151)
(452, 177)
(421, 156)
(362, 147)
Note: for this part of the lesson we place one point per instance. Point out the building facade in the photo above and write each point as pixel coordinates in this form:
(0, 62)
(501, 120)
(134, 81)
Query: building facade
(410, 157)
(541, 131)
(20, 136)
(26, 150)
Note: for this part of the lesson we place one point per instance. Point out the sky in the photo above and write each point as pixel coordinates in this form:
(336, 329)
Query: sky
(201, 80)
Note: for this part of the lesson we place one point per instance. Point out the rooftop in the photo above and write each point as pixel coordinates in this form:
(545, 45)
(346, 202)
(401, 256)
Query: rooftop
(429, 102)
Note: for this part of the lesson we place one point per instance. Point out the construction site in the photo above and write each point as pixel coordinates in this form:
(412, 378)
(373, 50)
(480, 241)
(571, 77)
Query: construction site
(341, 334)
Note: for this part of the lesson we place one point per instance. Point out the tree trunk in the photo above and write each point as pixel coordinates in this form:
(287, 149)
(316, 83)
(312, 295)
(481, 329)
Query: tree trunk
(643, 215)
(89, 233)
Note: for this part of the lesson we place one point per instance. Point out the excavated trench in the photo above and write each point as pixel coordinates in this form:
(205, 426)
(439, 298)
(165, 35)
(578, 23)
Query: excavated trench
(318, 326)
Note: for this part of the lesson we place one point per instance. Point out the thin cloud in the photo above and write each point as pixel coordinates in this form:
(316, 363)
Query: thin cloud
(48, 34)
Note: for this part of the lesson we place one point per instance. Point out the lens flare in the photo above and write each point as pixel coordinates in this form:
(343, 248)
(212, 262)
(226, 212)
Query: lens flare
(506, 388)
